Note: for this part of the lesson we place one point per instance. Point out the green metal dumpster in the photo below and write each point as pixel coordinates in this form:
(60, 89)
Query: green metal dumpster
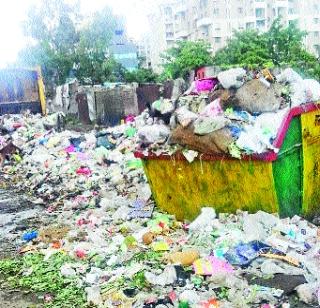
(286, 182)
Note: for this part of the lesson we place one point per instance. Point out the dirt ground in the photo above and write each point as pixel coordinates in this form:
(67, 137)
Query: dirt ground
(16, 215)
(17, 299)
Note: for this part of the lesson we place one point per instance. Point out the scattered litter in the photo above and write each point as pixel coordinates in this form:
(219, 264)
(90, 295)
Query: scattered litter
(123, 251)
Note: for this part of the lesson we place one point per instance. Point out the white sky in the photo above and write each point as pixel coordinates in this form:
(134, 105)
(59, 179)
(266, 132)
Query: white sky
(13, 12)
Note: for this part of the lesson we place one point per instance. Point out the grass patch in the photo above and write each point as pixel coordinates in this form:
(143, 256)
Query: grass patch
(31, 272)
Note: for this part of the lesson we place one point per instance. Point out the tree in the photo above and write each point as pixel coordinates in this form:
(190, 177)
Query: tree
(245, 49)
(65, 43)
(186, 56)
(141, 75)
(91, 53)
(52, 29)
(280, 46)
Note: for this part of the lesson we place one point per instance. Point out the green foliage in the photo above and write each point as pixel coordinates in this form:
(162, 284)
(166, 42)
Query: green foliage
(280, 46)
(33, 273)
(91, 51)
(138, 281)
(52, 28)
(246, 49)
(142, 75)
(186, 56)
(64, 49)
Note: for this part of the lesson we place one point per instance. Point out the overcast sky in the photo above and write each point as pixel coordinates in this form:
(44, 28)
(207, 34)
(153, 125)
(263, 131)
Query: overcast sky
(13, 12)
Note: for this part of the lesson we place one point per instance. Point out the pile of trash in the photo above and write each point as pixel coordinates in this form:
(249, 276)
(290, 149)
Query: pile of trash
(237, 113)
(126, 252)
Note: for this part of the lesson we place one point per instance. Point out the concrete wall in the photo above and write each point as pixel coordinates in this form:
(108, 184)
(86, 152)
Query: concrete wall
(105, 105)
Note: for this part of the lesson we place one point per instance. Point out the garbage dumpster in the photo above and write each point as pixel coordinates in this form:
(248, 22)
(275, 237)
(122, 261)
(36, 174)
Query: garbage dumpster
(286, 182)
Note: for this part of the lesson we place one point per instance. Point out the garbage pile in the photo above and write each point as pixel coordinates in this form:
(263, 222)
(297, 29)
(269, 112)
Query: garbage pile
(238, 113)
(125, 252)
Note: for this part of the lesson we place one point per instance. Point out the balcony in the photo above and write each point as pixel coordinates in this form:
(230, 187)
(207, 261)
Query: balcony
(180, 9)
(206, 21)
(250, 19)
(181, 34)
(293, 16)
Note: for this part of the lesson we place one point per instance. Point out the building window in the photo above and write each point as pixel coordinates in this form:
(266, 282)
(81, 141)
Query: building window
(293, 22)
(169, 27)
(203, 3)
(217, 39)
(249, 25)
(260, 13)
(216, 11)
(281, 11)
(168, 11)
(261, 23)
(316, 20)
(240, 10)
(316, 34)
(169, 35)
(205, 31)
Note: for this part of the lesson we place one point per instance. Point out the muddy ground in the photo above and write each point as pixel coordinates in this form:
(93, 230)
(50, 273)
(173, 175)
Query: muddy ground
(17, 215)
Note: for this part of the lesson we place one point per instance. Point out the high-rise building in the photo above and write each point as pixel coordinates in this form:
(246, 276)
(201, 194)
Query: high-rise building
(124, 50)
(216, 20)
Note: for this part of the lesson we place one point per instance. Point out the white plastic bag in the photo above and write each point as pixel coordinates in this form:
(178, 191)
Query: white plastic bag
(233, 78)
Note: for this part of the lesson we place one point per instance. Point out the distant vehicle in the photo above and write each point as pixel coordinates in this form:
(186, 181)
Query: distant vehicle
(21, 90)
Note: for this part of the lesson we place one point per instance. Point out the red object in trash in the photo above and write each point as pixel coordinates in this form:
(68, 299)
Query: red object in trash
(129, 118)
(84, 171)
(211, 303)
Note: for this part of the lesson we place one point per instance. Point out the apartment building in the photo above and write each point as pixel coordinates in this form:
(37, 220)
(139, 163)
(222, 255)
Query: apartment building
(144, 51)
(216, 20)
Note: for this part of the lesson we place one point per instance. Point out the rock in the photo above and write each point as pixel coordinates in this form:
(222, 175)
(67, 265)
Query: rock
(212, 143)
(255, 96)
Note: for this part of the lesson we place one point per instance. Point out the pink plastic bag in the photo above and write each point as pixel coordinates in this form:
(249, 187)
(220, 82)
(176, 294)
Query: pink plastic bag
(203, 85)
(70, 149)
(211, 265)
(213, 109)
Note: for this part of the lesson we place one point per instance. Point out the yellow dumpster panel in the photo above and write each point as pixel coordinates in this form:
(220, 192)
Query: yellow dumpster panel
(182, 188)
(311, 162)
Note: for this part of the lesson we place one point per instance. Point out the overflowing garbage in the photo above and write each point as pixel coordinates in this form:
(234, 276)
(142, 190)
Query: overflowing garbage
(125, 252)
(236, 113)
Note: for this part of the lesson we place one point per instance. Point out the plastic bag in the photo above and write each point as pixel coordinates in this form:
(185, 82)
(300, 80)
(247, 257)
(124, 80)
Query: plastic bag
(205, 221)
(204, 85)
(213, 109)
(233, 78)
(210, 266)
(185, 117)
(289, 76)
(168, 277)
(207, 125)
(156, 133)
